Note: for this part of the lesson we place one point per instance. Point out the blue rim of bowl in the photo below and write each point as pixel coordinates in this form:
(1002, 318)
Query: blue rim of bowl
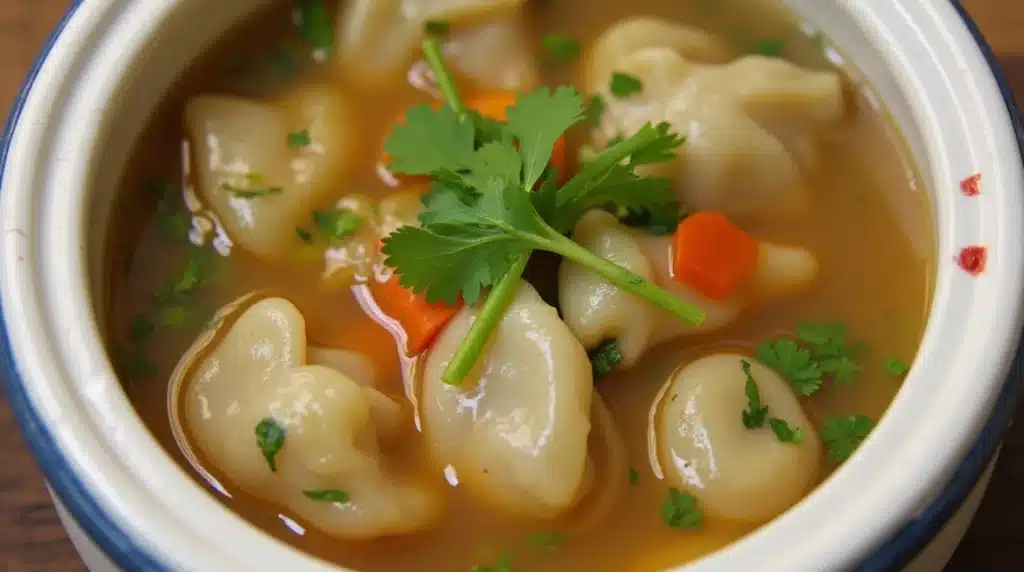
(127, 552)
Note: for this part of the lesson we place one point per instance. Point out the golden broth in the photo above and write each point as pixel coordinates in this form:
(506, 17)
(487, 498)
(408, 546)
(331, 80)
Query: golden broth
(869, 227)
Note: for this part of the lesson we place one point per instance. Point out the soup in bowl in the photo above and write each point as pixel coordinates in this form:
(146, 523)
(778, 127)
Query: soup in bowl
(506, 284)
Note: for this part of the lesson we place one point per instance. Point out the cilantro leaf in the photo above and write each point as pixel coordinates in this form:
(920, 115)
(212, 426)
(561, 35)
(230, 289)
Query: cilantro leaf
(605, 358)
(495, 160)
(680, 510)
(793, 362)
(537, 120)
(662, 147)
(754, 414)
(843, 435)
(327, 495)
(896, 367)
(785, 433)
(270, 438)
(623, 85)
(431, 142)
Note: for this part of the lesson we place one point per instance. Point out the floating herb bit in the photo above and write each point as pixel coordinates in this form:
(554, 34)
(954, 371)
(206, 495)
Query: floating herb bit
(634, 476)
(793, 362)
(251, 193)
(605, 358)
(299, 139)
(175, 317)
(623, 85)
(132, 363)
(439, 28)
(270, 438)
(141, 329)
(327, 495)
(315, 24)
(304, 235)
(896, 367)
(843, 435)
(770, 47)
(595, 108)
(547, 541)
(561, 48)
(785, 433)
(754, 415)
(337, 223)
(680, 510)
(659, 222)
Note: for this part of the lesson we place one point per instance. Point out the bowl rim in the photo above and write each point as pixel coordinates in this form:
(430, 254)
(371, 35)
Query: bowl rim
(132, 554)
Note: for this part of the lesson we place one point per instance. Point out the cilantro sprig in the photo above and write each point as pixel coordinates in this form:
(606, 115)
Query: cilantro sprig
(843, 435)
(820, 351)
(495, 199)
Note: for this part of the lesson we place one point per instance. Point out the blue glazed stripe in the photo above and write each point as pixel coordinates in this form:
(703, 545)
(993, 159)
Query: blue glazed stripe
(127, 553)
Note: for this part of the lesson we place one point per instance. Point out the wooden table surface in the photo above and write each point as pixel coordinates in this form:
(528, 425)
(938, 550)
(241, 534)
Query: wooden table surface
(32, 540)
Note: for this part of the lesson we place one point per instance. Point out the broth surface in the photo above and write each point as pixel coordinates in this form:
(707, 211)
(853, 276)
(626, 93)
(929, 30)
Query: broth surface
(869, 227)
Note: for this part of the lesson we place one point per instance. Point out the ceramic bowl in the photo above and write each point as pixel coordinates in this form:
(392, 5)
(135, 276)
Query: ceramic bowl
(903, 500)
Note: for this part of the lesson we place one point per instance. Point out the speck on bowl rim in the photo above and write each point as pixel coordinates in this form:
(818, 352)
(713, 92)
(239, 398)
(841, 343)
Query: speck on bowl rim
(67, 131)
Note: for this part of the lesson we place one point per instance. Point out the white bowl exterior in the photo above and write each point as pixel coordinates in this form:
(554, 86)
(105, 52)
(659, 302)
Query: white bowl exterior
(115, 57)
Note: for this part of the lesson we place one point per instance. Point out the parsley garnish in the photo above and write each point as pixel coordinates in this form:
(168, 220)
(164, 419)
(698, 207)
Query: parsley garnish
(595, 108)
(299, 139)
(547, 541)
(754, 415)
(337, 223)
(270, 438)
(896, 367)
(250, 193)
(680, 510)
(634, 476)
(785, 433)
(561, 48)
(793, 362)
(768, 47)
(327, 495)
(843, 435)
(825, 352)
(605, 358)
(623, 85)
(659, 222)
(438, 28)
(141, 329)
(484, 216)
(315, 24)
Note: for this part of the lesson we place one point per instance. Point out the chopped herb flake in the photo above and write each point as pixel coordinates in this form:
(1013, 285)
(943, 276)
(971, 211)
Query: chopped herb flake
(561, 48)
(337, 223)
(768, 47)
(251, 193)
(438, 28)
(793, 362)
(754, 415)
(327, 495)
(623, 85)
(299, 139)
(175, 317)
(605, 358)
(843, 435)
(141, 329)
(595, 108)
(896, 367)
(634, 476)
(304, 235)
(825, 351)
(659, 222)
(270, 438)
(316, 24)
(547, 541)
(680, 510)
(785, 433)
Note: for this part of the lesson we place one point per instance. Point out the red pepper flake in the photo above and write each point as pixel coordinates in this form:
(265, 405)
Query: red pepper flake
(972, 259)
(971, 186)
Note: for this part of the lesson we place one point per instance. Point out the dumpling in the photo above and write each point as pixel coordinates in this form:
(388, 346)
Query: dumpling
(260, 187)
(516, 431)
(703, 446)
(378, 39)
(337, 431)
(749, 125)
(597, 310)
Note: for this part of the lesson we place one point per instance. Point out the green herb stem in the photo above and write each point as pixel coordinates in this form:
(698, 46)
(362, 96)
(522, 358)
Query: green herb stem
(435, 59)
(623, 278)
(486, 322)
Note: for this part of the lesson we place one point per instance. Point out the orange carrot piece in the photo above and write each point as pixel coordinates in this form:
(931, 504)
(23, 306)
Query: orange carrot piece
(489, 104)
(421, 320)
(712, 255)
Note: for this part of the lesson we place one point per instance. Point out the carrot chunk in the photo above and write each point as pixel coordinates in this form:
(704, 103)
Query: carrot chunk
(422, 321)
(712, 255)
